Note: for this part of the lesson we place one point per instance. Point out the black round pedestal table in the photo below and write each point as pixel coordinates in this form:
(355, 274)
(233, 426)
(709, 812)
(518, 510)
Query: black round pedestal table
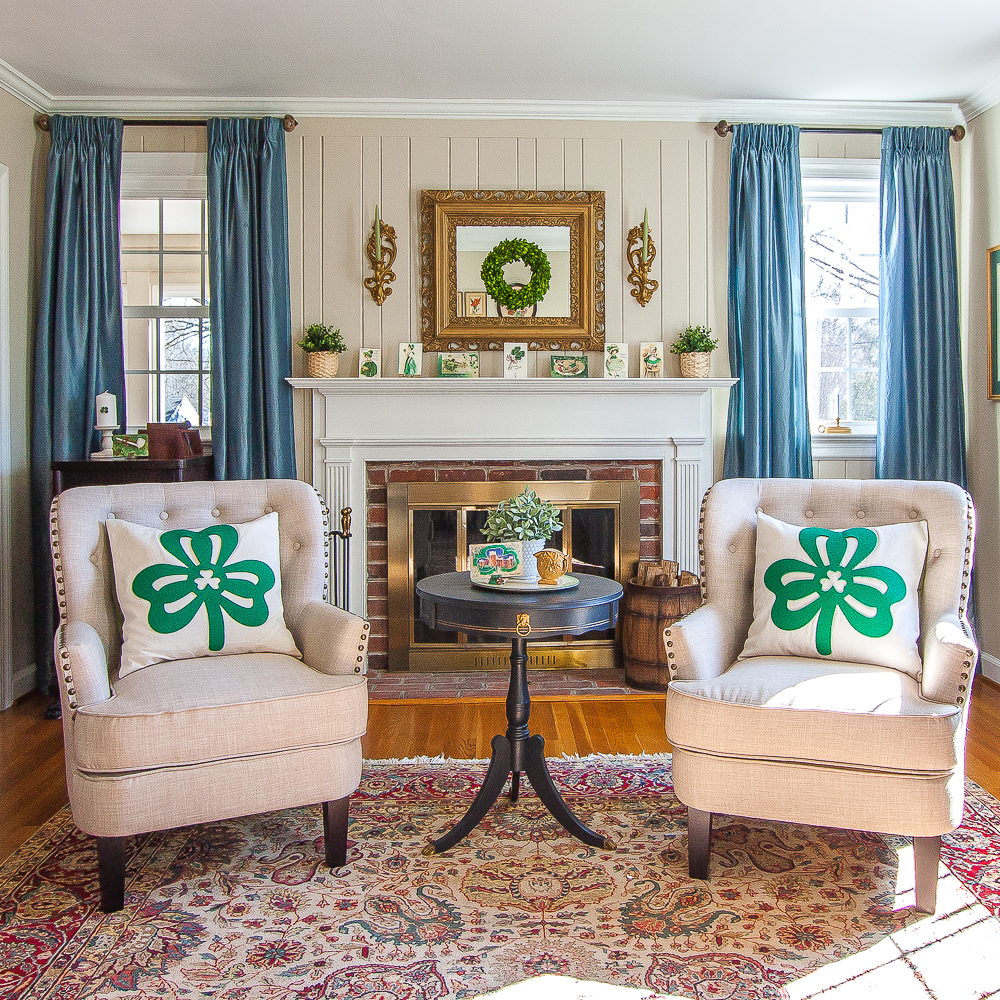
(450, 601)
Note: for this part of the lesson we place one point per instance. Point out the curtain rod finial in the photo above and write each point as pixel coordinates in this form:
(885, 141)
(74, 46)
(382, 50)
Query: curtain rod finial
(42, 121)
(958, 133)
(723, 128)
(288, 123)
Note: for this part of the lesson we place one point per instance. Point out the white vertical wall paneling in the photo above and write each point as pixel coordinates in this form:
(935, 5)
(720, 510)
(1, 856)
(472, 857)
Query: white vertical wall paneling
(498, 163)
(429, 170)
(672, 238)
(526, 164)
(371, 195)
(464, 163)
(640, 167)
(698, 246)
(311, 247)
(301, 402)
(395, 207)
(602, 171)
(573, 164)
(550, 171)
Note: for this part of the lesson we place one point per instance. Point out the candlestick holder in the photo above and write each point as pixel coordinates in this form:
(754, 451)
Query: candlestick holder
(643, 284)
(381, 252)
(107, 443)
(835, 429)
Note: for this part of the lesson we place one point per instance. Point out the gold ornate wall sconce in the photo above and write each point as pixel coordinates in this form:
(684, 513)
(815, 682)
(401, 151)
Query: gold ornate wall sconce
(640, 252)
(381, 252)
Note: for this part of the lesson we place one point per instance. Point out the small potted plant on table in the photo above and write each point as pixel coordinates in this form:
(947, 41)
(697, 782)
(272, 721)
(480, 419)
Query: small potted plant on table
(695, 346)
(528, 519)
(323, 346)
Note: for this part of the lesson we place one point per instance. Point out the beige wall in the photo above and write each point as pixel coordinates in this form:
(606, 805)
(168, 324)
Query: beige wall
(983, 414)
(18, 138)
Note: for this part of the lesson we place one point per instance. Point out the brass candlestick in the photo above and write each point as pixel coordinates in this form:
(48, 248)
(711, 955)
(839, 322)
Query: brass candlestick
(835, 429)
(381, 251)
(643, 284)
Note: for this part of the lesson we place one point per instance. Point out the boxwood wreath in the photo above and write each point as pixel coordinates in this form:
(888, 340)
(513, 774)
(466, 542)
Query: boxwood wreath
(505, 252)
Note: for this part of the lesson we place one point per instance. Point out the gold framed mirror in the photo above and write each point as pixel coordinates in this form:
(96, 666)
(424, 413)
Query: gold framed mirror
(459, 228)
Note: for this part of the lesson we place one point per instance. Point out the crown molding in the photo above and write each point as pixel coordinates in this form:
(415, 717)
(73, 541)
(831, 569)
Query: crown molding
(23, 89)
(840, 113)
(981, 101)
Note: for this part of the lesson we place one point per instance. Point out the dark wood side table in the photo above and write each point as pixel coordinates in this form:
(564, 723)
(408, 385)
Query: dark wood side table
(118, 471)
(451, 601)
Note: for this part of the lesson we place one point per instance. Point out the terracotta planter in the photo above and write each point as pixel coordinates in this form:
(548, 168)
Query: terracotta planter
(323, 364)
(697, 364)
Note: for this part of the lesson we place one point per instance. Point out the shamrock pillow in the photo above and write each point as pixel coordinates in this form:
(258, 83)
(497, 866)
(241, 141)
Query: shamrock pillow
(847, 595)
(187, 593)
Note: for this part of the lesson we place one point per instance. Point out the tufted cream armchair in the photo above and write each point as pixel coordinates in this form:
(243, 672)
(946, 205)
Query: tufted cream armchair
(190, 741)
(817, 741)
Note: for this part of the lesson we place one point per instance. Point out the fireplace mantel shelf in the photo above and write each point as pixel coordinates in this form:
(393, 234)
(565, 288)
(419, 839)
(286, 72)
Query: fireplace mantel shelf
(508, 386)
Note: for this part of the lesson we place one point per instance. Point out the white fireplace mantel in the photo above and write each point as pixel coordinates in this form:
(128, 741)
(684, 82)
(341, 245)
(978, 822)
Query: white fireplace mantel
(669, 421)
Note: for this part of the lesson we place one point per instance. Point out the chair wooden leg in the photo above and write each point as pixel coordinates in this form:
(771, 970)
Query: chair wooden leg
(926, 854)
(335, 815)
(111, 872)
(699, 842)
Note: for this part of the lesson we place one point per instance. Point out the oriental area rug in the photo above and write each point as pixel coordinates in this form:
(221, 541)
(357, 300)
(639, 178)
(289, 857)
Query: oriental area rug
(242, 909)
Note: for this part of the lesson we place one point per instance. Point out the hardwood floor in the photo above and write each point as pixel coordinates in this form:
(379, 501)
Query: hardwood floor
(33, 782)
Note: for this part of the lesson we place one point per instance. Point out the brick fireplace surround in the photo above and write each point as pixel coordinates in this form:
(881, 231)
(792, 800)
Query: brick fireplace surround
(379, 474)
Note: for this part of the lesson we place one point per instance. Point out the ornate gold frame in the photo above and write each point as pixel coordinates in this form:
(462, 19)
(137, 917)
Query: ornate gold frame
(442, 211)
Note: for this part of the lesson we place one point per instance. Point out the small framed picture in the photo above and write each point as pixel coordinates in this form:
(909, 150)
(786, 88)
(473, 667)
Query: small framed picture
(651, 362)
(410, 360)
(458, 364)
(616, 360)
(568, 365)
(515, 360)
(370, 362)
(475, 304)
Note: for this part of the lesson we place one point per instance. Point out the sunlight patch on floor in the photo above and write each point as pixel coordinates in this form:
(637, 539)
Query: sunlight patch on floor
(567, 988)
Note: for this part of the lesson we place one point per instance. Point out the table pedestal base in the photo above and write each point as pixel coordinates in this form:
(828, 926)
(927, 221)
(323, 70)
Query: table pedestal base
(513, 753)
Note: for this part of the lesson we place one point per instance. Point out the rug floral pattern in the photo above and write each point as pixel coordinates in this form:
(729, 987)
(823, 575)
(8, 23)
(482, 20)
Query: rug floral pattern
(243, 910)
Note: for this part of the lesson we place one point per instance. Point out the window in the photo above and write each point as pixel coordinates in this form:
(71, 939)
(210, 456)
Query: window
(165, 292)
(841, 238)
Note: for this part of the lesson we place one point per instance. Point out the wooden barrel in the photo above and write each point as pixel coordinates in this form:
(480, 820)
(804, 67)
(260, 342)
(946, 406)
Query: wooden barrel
(646, 612)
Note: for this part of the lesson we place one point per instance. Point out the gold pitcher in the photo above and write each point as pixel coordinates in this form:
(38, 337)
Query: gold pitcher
(551, 565)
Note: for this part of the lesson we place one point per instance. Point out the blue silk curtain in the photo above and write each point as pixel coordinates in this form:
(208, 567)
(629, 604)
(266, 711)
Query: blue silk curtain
(78, 341)
(921, 427)
(768, 432)
(252, 429)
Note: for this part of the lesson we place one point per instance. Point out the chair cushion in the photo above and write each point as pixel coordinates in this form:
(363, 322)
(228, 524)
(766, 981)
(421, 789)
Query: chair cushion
(787, 708)
(850, 595)
(193, 711)
(186, 593)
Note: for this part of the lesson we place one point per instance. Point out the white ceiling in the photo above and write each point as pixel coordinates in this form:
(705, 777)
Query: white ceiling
(374, 56)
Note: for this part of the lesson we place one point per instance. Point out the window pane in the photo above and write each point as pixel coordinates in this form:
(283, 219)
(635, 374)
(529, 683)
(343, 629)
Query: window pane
(864, 343)
(829, 382)
(182, 216)
(179, 398)
(182, 279)
(206, 400)
(180, 347)
(137, 411)
(864, 396)
(841, 245)
(139, 335)
(833, 342)
(140, 224)
(206, 344)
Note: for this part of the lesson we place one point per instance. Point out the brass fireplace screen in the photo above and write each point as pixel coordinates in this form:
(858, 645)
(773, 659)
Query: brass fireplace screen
(430, 527)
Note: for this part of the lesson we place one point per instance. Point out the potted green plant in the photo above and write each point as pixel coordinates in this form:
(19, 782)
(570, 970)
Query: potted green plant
(323, 346)
(695, 346)
(528, 519)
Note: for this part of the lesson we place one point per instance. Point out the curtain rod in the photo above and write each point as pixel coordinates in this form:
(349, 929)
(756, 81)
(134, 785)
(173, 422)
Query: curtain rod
(723, 128)
(288, 123)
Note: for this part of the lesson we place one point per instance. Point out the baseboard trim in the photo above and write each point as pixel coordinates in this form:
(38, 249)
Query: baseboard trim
(24, 681)
(991, 666)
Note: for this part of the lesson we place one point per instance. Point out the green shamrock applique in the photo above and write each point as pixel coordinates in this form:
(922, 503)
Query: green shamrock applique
(835, 579)
(204, 578)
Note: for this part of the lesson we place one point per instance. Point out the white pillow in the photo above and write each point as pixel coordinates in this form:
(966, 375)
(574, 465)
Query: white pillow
(847, 595)
(187, 593)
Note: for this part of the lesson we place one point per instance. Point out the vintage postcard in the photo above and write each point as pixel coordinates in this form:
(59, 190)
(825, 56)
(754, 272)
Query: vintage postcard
(616, 360)
(651, 361)
(568, 366)
(515, 360)
(370, 362)
(458, 364)
(410, 360)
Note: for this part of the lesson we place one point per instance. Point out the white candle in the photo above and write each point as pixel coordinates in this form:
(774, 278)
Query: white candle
(107, 410)
(645, 235)
(378, 235)
(835, 403)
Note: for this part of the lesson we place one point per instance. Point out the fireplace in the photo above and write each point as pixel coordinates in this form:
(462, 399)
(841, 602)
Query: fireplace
(355, 428)
(431, 524)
